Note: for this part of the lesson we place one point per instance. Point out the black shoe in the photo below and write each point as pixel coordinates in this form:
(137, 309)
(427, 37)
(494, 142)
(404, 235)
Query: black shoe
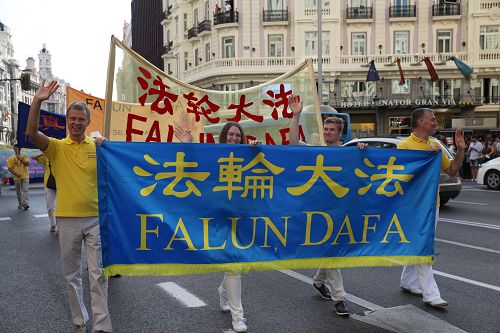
(26, 207)
(323, 290)
(341, 308)
(116, 276)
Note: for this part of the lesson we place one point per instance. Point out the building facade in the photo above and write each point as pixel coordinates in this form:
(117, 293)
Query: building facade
(9, 87)
(250, 42)
(57, 101)
(147, 32)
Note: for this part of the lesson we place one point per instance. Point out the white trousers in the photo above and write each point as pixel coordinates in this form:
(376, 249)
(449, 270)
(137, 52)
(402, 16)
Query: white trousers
(421, 277)
(231, 287)
(334, 278)
(50, 198)
(22, 191)
(72, 231)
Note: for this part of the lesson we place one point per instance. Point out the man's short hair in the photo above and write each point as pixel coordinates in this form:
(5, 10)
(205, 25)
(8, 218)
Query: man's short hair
(418, 114)
(79, 106)
(335, 120)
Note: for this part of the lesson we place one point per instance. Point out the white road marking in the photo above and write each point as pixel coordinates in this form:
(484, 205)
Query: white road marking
(469, 203)
(181, 294)
(351, 298)
(476, 190)
(467, 245)
(41, 215)
(474, 282)
(470, 223)
(5, 218)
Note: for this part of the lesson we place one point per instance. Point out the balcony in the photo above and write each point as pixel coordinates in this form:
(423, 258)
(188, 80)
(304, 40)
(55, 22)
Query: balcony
(313, 11)
(225, 18)
(403, 11)
(204, 27)
(193, 32)
(168, 47)
(275, 15)
(360, 13)
(487, 6)
(445, 10)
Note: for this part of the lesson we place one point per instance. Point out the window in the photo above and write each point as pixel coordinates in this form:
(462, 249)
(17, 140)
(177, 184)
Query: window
(358, 43)
(400, 90)
(2, 95)
(195, 17)
(176, 22)
(185, 22)
(228, 47)
(196, 57)
(275, 48)
(207, 52)
(274, 4)
(489, 37)
(444, 41)
(401, 42)
(314, 3)
(446, 88)
(207, 10)
(400, 3)
(358, 3)
(312, 43)
(356, 89)
(186, 60)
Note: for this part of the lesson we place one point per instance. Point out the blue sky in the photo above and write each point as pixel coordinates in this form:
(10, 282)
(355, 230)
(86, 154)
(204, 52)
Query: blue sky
(76, 33)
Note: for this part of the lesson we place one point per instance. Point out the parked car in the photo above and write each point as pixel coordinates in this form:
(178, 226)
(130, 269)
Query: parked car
(449, 187)
(489, 174)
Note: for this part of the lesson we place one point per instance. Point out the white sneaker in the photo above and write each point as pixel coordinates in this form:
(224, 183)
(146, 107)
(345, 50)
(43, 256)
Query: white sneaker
(438, 303)
(223, 301)
(239, 325)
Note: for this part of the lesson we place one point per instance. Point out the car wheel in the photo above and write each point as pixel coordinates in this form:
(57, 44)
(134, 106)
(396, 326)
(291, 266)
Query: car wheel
(492, 180)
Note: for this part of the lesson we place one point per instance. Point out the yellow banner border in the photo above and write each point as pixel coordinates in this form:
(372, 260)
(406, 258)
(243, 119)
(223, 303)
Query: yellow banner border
(243, 267)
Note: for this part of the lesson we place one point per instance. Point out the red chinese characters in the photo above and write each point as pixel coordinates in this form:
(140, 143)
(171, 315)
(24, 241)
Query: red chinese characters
(279, 99)
(199, 110)
(240, 109)
(163, 95)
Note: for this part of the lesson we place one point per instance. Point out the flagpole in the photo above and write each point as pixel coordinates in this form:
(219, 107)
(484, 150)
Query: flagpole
(320, 54)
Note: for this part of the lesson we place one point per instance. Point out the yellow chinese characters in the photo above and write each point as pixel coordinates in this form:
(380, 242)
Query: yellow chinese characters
(319, 172)
(178, 175)
(388, 177)
(263, 179)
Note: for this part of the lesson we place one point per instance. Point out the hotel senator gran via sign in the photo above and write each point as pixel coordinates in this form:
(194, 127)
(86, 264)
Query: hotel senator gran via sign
(399, 102)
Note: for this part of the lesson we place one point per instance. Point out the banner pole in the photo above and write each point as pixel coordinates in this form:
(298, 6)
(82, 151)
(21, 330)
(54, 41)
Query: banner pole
(316, 101)
(108, 99)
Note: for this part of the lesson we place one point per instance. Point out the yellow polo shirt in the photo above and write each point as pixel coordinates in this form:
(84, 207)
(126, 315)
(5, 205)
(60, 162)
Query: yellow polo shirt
(45, 162)
(14, 163)
(415, 143)
(74, 166)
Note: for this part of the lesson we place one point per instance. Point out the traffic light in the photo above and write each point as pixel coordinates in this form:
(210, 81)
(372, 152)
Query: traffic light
(25, 81)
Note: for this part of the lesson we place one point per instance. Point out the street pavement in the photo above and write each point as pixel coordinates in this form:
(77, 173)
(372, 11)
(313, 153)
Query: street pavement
(467, 269)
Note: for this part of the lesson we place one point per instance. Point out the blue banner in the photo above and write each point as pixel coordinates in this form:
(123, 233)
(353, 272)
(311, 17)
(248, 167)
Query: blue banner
(168, 208)
(51, 124)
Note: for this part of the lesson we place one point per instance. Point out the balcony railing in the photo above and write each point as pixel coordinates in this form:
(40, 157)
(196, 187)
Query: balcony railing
(227, 17)
(167, 47)
(488, 5)
(313, 11)
(357, 13)
(205, 25)
(168, 12)
(274, 15)
(445, 10)
(193, 32)
(403, 11)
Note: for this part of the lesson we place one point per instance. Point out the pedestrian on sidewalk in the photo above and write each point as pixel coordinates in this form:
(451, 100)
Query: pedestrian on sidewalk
(419, 279)
(49, 183)
(74, 164)
(18, 166)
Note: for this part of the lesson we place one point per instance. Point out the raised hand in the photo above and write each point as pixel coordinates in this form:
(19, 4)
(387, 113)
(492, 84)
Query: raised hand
(183, 135)
(43, 93)
(459, 139)
(295, 104)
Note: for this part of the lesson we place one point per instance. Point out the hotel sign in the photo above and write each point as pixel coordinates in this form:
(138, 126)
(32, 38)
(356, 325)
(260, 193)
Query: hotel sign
(399, 102)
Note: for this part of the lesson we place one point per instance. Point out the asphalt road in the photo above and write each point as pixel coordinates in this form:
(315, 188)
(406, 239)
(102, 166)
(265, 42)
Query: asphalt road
(33, 298)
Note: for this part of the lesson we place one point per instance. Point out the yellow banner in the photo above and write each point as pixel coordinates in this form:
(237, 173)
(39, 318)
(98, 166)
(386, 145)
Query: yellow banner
(148, 103)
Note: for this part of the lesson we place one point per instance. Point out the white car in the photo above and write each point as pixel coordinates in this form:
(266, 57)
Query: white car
(489, 174)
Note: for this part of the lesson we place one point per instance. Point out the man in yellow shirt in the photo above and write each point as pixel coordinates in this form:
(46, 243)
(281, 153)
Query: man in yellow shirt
(18, 166)
(74, 164)
(419, 279)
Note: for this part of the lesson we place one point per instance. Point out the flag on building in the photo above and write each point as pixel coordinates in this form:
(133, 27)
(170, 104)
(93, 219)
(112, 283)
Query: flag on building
(465, 69)
(372, 72)
(431, 69)
(401, 74)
